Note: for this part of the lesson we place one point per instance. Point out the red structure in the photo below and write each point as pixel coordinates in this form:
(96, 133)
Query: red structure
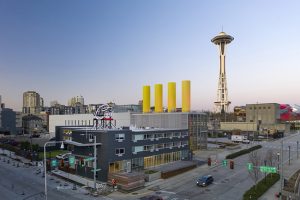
(288, 113)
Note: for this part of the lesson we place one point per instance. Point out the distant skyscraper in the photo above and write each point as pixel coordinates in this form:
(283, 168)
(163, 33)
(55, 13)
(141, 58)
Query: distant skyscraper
(31, 102)
(222, 103)
(75, 100)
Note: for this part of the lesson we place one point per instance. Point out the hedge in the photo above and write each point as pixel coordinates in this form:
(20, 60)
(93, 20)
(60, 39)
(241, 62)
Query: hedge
(262, 186)
(242, 152)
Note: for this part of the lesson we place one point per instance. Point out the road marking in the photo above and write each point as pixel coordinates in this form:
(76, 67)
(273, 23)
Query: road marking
(167, 192)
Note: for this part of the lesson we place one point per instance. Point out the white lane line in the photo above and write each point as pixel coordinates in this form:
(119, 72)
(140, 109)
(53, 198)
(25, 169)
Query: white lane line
(168, 192)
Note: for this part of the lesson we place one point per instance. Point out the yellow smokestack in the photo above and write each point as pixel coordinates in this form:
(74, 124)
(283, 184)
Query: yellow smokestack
(186, 96)
(158, 97)
(146, 99)
(171, 97)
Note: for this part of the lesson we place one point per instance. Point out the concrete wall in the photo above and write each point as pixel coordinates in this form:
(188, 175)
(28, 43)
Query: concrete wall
(244, 126)
(161, 120)
(266, 113)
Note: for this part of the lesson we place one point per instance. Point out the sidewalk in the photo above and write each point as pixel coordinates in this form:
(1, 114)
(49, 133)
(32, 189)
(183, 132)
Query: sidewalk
(289, 170)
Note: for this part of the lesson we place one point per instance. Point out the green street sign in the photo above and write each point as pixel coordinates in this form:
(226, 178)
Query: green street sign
(54, 163)
(224, 163)
(89, 159)
(268, 169)
(72, 160)
(96, 170)
(250, 166)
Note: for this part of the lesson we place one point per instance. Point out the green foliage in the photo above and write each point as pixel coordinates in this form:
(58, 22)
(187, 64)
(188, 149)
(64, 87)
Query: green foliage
(8, 147)
(25, 145)
(51, 154)
(262, 186)
(242, 152)
(35, 147)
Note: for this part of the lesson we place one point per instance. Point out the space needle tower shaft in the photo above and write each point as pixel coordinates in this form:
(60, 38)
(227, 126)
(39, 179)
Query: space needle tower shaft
(222, 103)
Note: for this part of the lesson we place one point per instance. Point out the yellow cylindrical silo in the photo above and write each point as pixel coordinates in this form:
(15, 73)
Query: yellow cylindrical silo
(186, 96)
(146, 99)
(171, 97)
(158, 97)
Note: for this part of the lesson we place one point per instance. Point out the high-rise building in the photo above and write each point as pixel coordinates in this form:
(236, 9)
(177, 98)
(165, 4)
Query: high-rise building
(31, 102)
(75, 100)
(222, 103)
(7, 121)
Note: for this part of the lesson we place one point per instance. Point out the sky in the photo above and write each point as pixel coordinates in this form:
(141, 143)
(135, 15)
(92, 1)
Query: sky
(108, 50)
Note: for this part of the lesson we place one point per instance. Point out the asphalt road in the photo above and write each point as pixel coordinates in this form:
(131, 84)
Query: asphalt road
(20, 183)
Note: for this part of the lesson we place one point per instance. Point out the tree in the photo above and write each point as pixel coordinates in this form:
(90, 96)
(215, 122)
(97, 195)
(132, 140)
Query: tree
(256, 159)
(270, 158)
(25, 145)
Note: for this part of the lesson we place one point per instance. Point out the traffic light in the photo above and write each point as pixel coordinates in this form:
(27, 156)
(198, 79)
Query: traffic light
(209, 161)
(224, 163)
(250, 166)
(231, 164)
(285, 182)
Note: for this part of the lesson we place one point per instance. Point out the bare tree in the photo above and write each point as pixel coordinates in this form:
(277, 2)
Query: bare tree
(256, 159)
(270, 158)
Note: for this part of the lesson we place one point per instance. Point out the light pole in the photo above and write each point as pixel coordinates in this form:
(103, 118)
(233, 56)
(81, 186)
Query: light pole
(297, 149)
(45, 160)
(278, 154)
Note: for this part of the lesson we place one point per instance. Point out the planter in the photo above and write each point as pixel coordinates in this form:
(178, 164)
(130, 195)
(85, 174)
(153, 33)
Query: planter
(153, 176)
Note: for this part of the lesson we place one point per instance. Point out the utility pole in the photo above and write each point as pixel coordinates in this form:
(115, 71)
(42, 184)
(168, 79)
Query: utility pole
(289, 155)
(95, 161)
(297, 149)
(281, 175)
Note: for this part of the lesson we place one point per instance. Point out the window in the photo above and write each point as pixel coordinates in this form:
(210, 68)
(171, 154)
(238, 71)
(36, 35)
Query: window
(120, 151)
(120, 137)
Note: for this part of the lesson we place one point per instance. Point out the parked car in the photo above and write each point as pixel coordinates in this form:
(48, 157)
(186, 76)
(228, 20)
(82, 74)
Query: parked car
(205, 180)
(245, 141)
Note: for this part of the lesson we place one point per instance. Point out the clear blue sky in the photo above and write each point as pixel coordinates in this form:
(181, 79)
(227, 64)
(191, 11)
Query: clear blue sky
(107, 50)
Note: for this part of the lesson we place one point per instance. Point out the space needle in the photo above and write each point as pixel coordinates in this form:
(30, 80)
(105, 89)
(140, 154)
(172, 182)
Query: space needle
(222, 103)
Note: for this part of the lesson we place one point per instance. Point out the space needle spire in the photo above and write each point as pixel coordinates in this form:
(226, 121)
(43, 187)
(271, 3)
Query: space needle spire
(222, 103)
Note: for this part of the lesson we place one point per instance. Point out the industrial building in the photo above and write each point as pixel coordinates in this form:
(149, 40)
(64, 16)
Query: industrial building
(194, 122)
(264, 118)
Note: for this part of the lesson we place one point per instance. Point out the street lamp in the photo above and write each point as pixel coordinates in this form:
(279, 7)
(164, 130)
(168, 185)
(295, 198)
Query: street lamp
(278, 154)
(45, 160)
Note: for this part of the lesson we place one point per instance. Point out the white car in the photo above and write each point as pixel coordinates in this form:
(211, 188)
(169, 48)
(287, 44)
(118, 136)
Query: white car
(245, 141)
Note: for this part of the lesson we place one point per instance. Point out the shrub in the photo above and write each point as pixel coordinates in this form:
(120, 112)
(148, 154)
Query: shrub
(242, 152)
(150, 171)
(262, 186)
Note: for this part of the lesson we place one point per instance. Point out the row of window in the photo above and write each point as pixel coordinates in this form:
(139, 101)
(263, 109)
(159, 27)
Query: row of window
(156, 147)
(152, 136)
(259, 108)
(78, 122)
